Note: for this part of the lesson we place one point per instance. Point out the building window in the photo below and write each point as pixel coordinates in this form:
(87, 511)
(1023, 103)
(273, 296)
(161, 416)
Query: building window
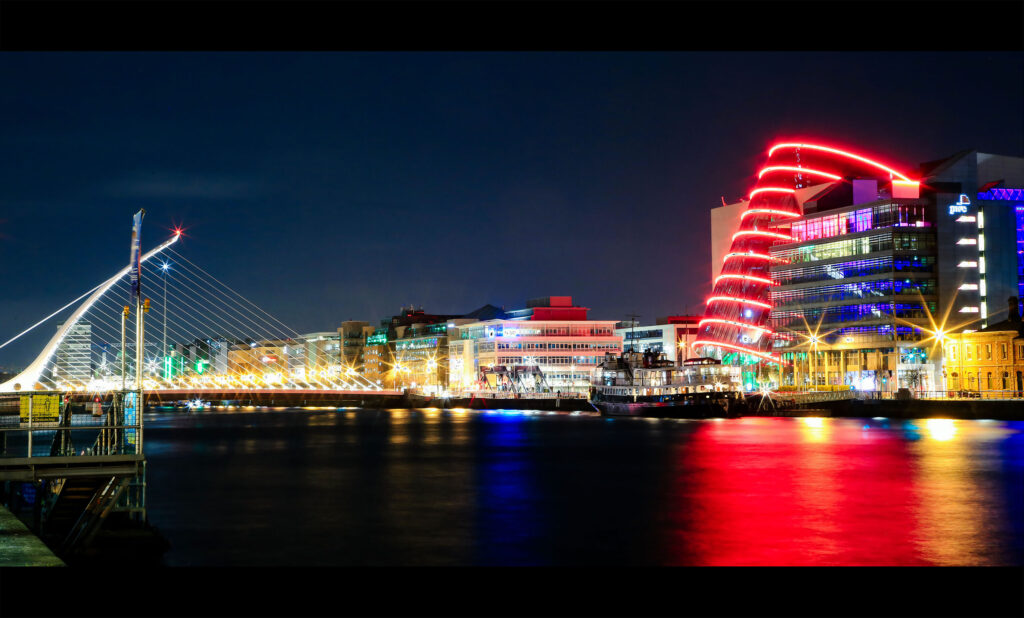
(988, 381)
(967, 350)
(1002, 350)
(952, 352)
(970, 381)
(1006, 379)
(988, 351)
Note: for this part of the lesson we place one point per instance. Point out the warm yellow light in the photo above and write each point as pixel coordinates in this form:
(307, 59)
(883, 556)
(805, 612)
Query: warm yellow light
(941, 429)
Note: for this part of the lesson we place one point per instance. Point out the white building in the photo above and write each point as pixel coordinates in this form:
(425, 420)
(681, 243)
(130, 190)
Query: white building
(670, 336)
(549, 346)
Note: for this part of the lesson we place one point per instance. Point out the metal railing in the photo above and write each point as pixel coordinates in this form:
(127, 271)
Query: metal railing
(966, 395)
(496, 394)
(64, 434)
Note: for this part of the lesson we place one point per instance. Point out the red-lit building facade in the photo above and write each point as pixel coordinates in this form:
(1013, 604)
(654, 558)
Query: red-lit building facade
(843, 270)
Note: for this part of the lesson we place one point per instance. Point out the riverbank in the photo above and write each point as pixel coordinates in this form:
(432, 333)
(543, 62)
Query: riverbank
(19, 547)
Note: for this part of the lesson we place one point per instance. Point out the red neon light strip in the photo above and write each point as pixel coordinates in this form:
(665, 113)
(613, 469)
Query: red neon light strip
(772, 189)
(747, 277)
(739, 348)
(842, 153)
(733, 323)
(768, 211)
(733, 299)
(751, 254)
(762, 233)
(790, 168)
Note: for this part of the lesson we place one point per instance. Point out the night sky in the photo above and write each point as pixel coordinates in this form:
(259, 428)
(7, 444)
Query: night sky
(335, 186)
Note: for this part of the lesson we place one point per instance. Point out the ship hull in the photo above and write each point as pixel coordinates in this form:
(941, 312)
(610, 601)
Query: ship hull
(666, 409)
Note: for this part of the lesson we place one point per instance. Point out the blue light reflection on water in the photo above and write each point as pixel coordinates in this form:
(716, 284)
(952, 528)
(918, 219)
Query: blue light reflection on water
(507, 524)
(1011, 451)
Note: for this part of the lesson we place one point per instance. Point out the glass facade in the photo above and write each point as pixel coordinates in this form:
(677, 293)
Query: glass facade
(861, 220)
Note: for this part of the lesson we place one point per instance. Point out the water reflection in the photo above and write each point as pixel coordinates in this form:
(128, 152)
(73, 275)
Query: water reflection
(960, 519)
(840, 492)
(450, 487)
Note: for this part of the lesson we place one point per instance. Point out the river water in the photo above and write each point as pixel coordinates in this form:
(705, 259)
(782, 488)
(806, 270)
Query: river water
(459, 487)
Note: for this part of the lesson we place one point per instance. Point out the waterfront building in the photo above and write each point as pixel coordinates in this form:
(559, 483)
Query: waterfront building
(988, 362)
(842, 268)
(353, 334)
(671, 336)
(73, 358)
(206, 356)
(377, 358)
(410, 350)
(265, 362)
(548, 346)
(315, 357)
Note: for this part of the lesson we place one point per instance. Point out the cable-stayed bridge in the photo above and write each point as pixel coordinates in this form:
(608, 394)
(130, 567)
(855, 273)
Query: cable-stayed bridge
(201, 339)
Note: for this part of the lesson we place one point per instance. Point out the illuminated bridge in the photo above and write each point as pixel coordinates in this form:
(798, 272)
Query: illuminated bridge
(201, 340)
(736, 318)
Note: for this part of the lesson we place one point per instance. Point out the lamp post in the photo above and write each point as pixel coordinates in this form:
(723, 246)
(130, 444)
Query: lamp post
(163, 350)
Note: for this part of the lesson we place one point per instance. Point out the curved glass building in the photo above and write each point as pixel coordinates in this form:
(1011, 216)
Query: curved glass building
(737, 316)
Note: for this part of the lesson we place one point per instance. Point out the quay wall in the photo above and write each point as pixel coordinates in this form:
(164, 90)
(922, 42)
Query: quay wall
(922, 408)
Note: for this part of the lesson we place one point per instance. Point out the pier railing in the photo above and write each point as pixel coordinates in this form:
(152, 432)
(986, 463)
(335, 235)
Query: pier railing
(43, 424)
(494, 394)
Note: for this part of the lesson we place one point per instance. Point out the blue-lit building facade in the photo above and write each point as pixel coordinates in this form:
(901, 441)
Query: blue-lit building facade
(869, 278)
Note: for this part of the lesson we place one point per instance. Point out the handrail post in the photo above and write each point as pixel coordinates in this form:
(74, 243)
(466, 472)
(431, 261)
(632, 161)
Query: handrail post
(30, 397)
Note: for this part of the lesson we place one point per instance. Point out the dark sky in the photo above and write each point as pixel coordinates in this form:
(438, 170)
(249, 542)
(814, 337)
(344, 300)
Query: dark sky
(334, 186)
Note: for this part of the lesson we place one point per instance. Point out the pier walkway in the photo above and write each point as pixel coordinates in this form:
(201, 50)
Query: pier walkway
(19, 547)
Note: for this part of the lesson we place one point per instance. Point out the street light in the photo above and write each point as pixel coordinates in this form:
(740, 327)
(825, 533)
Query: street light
(163, 269)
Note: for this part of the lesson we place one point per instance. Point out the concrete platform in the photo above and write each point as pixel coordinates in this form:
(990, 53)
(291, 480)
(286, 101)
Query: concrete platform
(19, 547)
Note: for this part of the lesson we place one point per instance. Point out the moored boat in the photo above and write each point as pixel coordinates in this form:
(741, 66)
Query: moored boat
(647, 385)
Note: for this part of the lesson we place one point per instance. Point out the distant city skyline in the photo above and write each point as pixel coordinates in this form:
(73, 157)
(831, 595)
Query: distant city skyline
(341, 186)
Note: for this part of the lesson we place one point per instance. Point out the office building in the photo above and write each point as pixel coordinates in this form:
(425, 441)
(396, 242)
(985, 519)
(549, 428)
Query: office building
(73, 357)
(548, 346)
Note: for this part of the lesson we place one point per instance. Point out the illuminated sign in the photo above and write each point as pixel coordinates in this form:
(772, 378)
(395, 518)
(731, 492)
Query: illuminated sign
(269, 359)
(130, 416)
(45, 409)
(1002, 194)
(961, 206)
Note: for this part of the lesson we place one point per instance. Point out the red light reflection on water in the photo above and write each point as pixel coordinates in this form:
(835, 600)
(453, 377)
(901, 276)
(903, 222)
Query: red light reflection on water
(798, 492)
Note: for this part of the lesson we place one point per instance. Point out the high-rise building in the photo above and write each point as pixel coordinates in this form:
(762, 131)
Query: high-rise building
(73, 357)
